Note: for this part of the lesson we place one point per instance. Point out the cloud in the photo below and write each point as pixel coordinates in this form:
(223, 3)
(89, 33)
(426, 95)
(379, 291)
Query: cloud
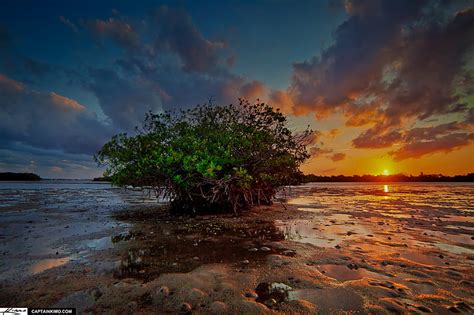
(419, 148)
(47, 120)
(416, 142)
(391, 63)
(333, 133)
(338, 157)
(166, 63)
(124, 100)
(379, 136)
(253, 90)
(177, 33)
(69, 24)
(316, 152)
(117, 30)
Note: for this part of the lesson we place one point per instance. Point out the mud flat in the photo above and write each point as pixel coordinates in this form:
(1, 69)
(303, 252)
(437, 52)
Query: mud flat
(332, 249)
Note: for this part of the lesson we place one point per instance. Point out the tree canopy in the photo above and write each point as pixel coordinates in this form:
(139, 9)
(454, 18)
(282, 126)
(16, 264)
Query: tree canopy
(209, 158)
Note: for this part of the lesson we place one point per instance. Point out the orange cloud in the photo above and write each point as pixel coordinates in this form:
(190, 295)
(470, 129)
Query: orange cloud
(253, 90)
(65, 102)
(338, 157)
(10, 84)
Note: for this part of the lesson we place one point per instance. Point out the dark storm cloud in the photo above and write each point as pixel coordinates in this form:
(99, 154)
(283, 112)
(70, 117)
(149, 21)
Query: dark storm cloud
(177, 33)
(124, 101)
(166, 63)
(47, 120)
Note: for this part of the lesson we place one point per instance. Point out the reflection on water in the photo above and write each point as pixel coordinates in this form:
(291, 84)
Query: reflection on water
(46, 264)
(382, 218)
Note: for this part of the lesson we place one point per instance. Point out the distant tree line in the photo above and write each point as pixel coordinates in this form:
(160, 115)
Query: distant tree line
(9, 176)
(389, 178)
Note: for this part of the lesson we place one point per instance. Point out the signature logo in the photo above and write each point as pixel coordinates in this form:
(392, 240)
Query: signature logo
(13, 311)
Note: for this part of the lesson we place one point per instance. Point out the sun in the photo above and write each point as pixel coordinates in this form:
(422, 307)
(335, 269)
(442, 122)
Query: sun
(386, 172)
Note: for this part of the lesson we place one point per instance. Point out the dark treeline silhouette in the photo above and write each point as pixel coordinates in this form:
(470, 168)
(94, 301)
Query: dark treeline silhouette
(389, 178)
(18, 176)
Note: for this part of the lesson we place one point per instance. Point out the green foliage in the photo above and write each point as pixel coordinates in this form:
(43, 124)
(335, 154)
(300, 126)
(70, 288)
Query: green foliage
(209, 158)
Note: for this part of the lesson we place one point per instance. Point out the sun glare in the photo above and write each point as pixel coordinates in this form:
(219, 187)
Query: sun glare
(385, 172)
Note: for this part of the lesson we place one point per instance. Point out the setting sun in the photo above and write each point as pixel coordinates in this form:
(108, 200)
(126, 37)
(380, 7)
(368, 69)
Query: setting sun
(386, 172)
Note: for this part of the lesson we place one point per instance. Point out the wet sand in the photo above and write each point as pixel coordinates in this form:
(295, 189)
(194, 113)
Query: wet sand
(336, 248)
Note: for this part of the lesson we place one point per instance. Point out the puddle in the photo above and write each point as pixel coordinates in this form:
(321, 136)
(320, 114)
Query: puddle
(46, 264)
(103, 243)
(344, 273)
(183, 245)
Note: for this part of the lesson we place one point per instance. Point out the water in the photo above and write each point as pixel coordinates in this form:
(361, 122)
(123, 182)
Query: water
(49, 223)
(415, 225)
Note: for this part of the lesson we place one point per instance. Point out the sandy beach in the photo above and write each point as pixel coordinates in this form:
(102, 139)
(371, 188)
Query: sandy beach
(328, 248)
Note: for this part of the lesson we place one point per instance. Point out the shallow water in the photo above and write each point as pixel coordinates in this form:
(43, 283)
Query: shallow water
(49, 223)
(414, 225)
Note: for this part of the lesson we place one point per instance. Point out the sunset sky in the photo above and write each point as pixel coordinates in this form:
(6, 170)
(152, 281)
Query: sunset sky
(387, 85)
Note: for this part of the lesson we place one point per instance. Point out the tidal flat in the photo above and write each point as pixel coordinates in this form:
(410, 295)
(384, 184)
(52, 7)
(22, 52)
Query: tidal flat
(328, 248)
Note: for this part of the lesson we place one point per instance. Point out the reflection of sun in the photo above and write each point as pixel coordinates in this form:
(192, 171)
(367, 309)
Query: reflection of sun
(386, 188)
(385, 172)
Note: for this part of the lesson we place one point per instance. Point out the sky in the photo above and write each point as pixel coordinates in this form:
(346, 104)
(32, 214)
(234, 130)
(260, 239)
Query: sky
(386, 85)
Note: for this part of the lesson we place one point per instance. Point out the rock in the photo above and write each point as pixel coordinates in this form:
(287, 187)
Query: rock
(218, 307)
(185, 308)
(352, 266)
(265, 249)
(253, 249)
(272, 291)
(338, 246)
(196, 258)
(245, 261)
(251, 295)
(441, 256)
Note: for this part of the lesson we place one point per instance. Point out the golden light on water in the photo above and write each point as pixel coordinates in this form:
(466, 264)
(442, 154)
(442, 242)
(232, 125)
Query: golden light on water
(386, 188)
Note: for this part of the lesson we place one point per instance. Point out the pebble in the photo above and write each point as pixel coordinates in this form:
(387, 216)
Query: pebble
(265, 249)
(251, 295)
(253, 249)
(196, 258)
(338, 246)
(245, 261)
